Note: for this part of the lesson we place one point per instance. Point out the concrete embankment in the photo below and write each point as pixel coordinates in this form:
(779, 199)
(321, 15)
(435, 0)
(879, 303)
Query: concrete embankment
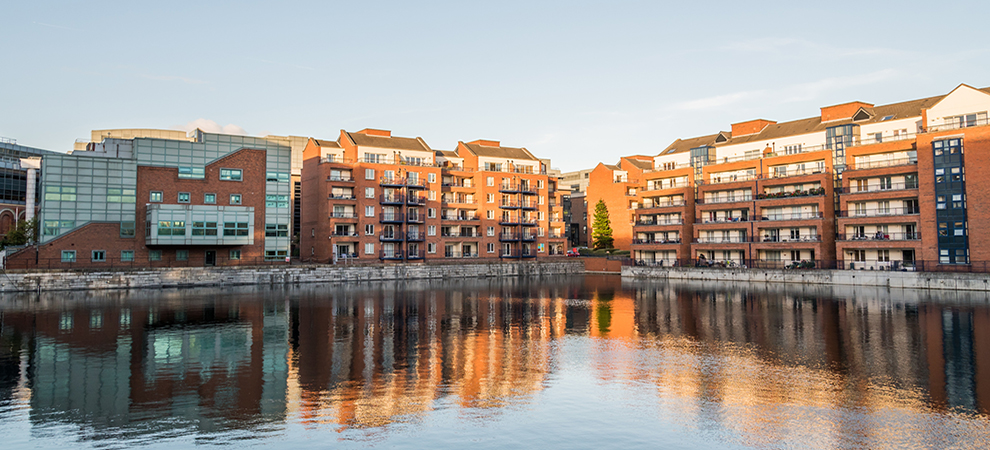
(60, 280)
(889, 279)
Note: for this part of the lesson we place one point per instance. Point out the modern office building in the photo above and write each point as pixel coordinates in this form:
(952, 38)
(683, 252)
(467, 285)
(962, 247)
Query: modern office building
(14, 183)
(211, 199)
(373, 196)
(857, 186)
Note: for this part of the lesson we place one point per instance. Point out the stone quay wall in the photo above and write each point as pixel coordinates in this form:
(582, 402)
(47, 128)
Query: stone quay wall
(61, 280)
(889, 279)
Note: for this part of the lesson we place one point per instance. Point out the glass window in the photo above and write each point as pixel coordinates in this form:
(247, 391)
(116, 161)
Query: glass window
(127, 255)
(369, 248)
(68, 256)
(235, 199)
(275, 255)
(231, 175)
(182, 255)
(369, 211)
(432, 178)
(276, 230)
(50, 228)
(183, 197)
(235, 229)
(192, 172)
(369, 192)
(276, 201)
(431, 213)
(491, 181)
(60, 193)
(99, 255)
(209, 199)
(369, 229)
(369, 174)
(204, 229)
(155, 197)
(127, 229)
(171, 228)
(235, 255)
(154, 255)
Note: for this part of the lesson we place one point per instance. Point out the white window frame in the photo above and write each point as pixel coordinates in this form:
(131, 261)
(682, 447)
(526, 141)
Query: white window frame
(369, 192)
(491, 181)
(369, 211)
(431, 213)
(369, 248)
(431, 230)
(369, 174)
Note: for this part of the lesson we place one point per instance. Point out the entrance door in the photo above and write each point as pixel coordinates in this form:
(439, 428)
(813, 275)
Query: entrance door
(211, 257)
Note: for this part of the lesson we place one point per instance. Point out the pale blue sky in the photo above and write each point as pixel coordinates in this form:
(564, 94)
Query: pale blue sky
(579, 82)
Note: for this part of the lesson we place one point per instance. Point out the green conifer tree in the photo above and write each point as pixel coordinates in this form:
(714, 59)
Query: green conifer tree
(601, 228)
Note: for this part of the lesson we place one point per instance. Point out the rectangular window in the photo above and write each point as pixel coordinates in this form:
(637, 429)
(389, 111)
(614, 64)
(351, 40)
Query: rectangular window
(491, 247)
(277, 177)
(491, 214)
(209, 199)
(541, 199)
(369, 174)
(127, 229)
(491, 198)
(491, 181)
(431, 230)
(234, 255)
(183, 197)
(68, 256)
(60, 193)
(369, 211)
(171, 228)
(369, 248)
(120, 195)
(369, 192)
(369, 229)
(431, 213)
(235, 199)
(155, 197)
(432, 178)
(231, 175)
(235, 228)
(276, 201)
(433, 195)
(127, 255)
(204, 228)
(182, 255)
(192, 172)
(539, 184)
(99, 255)
(275, 255)
(491, 231)
(276, 230)
(154, 255)
(431, 247)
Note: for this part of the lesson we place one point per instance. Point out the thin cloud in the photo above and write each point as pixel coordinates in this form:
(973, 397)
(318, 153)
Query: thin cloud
(718, 101)
(211, 126)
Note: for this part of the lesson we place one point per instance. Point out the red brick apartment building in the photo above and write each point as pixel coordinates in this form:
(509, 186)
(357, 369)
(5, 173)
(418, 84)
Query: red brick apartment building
(371, 196)
(859, 186)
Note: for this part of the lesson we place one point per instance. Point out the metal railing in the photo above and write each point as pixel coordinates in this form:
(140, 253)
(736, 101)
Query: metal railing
(347, 234)
(814, 192)
(394, 199)
(658, 222)
(721, 240)
(390, 217)
(669, 204)
(342, 197)
(882, 164)
(795, 173)
(800, 238)
(392, 254)
(879, 212)
(656, 241)
(334, 159)
(732, 199)
(793, 216)
(879, 236)
(731, 179)
(721, 219)
(459, 255)
(652, 188)
(342, 215)
(342, 179)
(853, 189)
(391, 237)
(392, 181)
(458, 218)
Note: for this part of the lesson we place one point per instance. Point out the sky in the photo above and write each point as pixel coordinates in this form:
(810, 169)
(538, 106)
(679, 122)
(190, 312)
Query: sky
(578, 82)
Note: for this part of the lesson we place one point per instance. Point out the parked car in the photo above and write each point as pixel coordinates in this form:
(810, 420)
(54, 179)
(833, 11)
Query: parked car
(573, 252)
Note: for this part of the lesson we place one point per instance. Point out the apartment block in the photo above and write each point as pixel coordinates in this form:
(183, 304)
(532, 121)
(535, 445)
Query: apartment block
(372, 196)
(858, 186)
(208, 200)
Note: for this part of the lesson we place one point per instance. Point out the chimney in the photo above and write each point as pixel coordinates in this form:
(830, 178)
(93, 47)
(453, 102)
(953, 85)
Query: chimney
(375, 132)
(750, 127)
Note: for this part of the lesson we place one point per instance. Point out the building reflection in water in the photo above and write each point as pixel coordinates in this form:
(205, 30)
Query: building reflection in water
(823, 365)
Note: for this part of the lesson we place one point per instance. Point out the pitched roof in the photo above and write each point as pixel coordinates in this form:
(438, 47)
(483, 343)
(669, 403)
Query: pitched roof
(327, 143)
(500, 152)
(644, 165)
(612, 167)
(446, 153)
(683, 145)
(392, 142)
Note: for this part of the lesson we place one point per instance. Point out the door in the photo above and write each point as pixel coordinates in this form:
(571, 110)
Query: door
(211, 257)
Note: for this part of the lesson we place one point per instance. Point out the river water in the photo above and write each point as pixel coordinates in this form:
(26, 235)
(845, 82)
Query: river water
(570, 362)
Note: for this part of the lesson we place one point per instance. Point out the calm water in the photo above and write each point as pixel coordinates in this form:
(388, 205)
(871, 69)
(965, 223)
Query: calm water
(592, 362)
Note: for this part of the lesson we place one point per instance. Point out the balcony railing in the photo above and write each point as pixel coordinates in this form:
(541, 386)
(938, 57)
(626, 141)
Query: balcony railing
(508, 205)
(883, 163)
(721, 219)
(392, 181)
(341, 178)
(509, 237)
(390, 237)
(796, 172)
(459, 235)
(555, 235)
(458, 218)
(419, 254)
(784, 195)
(879, 236)
(801, 238)
(391, 254)
(508, 188)
(344, 234)
(721, 240)
(390, 217)
(655, 205)
(656, 241)
(415, 217)
(335, 159)
(732, 199)
(415, 236)
(342, 197)
(650, 187)
(528, 237)
(879, 212)
(459, 255)
(527, 205)
(455, 184)
(659, 222)
(342, 215)
(394, 199)
(455, 201)
(416, 183)
(725, 179)
(792, 216)
(878, 188)
(416, 200)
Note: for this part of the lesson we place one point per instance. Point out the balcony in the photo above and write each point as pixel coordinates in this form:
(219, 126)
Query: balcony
(458, 255)
(526, 189)
(793, 216)
(528, 237)
(458, 202)
(795, 173)
(417, 183)
(555, 236)
(415, 236)
(722, 220)
(416, 200)
(879, 212)
(528, 253)
(653, 188)
(390, 237)
(340, 179)
(343, 197)
(882, 164)
(392, 182)
(509, 237)
(802, 238)
(395, 199)
(508, 205)
(644, 223)
(390, 254)
(509, 188)
(414, 217)
(658, 205)
(390, 218)
(656, 241)
(415, 255)
(878, 188)
(344, 234)
(731, 179)
(527, 222)
(509, 221)
(343, 215)
(879, 236)
(721, 240)
(458, 218)
(459, 235)
(335, 159)
(530, 205)
(727, 199)
(457, 184)
(785, 195)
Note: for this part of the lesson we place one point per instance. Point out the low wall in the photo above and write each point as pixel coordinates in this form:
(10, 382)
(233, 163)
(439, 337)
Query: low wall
(889, 279)
(58, 280)
(602, 265)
